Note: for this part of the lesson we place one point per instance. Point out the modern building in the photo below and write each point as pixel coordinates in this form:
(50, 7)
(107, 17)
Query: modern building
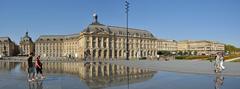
(99, 41)
(202, 47)
(7, 47)
(26, 45)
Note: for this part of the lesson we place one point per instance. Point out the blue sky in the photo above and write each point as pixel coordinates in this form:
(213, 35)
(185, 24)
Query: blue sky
(217, 20)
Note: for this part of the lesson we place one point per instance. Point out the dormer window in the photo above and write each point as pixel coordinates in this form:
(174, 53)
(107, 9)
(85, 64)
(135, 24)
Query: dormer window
(136, 34)
(144, 35)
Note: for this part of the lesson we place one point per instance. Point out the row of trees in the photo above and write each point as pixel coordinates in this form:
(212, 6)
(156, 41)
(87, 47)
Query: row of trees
(231, 49)
(169, 53)
(187, 53)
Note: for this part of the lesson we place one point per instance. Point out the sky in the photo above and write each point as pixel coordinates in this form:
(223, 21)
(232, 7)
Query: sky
(216, 20)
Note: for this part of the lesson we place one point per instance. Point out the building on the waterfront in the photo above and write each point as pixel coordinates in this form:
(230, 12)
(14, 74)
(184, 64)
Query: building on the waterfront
(47, 45)
(7, 47)
(202, 47)
(57, 45)
(167, 45)
(26, 45)
(99, 41)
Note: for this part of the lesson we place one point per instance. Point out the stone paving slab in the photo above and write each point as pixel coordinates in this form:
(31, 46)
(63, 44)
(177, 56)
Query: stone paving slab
(185, 66)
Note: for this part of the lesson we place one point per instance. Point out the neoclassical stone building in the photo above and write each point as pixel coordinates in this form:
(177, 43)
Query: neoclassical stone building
(99, 41)
(26, 45)
(201, 46)
(7, 47)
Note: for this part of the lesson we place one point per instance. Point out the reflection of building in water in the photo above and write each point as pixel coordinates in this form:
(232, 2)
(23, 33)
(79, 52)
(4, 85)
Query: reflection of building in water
(98, 74)
(5, 65)
(35, 85)
(219, 80)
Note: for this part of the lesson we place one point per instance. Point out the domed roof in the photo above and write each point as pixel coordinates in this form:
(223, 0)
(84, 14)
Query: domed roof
(26, 38)
(95, 26)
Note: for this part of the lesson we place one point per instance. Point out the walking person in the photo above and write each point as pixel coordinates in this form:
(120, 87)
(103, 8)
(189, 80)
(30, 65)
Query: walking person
(217, 63)
(31, 69)
(222, 60)
(38, 66)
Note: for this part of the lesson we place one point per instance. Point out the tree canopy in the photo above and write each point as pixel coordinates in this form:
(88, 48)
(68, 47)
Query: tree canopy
(231, 48)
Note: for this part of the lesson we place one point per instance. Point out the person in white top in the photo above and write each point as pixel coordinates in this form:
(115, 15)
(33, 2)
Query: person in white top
(221, 60)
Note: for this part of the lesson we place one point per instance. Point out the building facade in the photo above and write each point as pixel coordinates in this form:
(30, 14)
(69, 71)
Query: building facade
(99, 41)
(102, 42)
(7, 47)
(47, 45)
(202, 47)
(26, 45)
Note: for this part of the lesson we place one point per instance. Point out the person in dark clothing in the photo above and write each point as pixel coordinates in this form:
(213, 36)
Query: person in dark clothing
(31, 69)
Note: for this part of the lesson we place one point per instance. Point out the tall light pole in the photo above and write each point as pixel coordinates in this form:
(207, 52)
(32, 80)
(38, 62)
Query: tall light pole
(127, 44)
(127, 50)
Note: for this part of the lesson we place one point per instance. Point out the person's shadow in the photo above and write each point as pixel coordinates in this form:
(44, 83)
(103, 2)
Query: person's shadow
(218, 80)
(36, 84)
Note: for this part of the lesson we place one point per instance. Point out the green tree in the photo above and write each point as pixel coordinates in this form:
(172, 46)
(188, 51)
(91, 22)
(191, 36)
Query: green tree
(164, 53)
(195, 53)
(232, 49)
(185, 53)
(180, 53)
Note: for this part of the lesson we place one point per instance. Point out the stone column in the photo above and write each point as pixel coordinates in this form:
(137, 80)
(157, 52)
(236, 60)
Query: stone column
(108, 69)
(96, 69)
(97, 58)
(102, 70)
(91, 70)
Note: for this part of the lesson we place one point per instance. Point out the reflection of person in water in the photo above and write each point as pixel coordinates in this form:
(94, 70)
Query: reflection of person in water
(36, 85)
(219, 80)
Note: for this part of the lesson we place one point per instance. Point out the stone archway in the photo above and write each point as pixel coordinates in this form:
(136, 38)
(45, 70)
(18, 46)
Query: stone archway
(132, 54)
(115, 53)
(94, 53)
(120, 53)
(87, 54)
(99, 53)
(105, 54)
(110, 54)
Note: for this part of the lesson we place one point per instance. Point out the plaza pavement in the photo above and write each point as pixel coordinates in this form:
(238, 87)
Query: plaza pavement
(185, 66)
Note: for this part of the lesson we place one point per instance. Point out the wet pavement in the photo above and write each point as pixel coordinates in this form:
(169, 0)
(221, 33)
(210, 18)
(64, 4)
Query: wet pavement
(184, 66)
(14, 76)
